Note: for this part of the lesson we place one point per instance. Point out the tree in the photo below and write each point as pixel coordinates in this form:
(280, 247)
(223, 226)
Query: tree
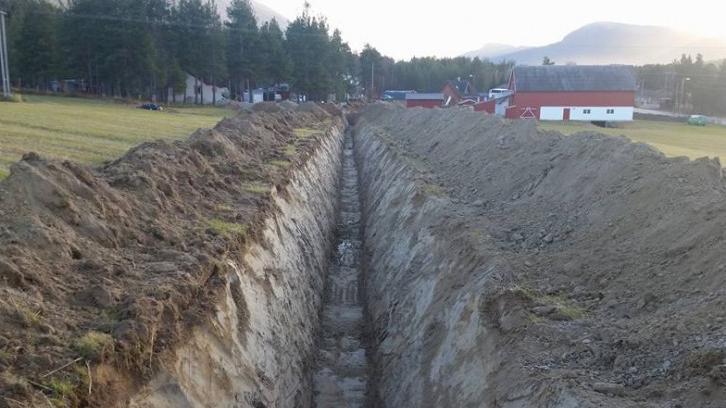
(198, 41)
(274, 62)
(547, 61)
(309, 48)
(342, 67)
(242, 45)
(36, 46)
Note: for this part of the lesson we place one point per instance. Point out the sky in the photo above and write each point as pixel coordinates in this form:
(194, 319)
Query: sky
(406, 28)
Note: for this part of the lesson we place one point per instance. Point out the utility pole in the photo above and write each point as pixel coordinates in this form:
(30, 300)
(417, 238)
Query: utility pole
(679, 99)
(373, 70)
(5, 70)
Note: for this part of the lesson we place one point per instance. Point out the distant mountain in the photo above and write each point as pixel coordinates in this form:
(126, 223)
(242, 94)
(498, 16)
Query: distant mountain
(493, 50)
(263, 12)
(616, 43)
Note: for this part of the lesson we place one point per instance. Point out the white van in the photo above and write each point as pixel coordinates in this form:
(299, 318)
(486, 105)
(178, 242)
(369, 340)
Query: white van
(493, 93)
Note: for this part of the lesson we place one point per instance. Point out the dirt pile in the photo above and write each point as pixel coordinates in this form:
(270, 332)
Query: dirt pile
(615, 285)
(104, 270)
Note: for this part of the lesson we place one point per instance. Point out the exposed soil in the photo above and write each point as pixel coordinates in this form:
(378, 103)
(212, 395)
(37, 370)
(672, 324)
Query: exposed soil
(583, 266)
(615, 253)
(103, 270)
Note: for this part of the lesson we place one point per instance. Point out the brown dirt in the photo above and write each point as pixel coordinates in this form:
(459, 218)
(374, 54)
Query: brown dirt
(110, 266)
(616, 252)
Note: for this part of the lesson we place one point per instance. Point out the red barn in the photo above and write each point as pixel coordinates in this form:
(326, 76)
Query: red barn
(424, 100)
(572, 92)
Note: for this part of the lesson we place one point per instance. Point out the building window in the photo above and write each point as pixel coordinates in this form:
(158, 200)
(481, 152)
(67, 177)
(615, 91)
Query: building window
(611, 111)
(586, 111)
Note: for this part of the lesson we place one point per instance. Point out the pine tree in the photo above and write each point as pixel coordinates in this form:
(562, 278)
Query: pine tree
(274, 62)
(36, 46)
(242, 46)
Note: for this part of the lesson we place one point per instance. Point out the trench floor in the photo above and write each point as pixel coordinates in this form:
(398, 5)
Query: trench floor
(341, 371)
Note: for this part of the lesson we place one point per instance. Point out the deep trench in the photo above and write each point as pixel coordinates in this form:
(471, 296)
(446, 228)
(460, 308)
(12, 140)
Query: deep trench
(341, 366)
(373, 287)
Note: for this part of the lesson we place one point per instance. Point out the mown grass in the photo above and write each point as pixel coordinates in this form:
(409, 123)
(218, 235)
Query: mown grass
(89, 130)
(671, 138)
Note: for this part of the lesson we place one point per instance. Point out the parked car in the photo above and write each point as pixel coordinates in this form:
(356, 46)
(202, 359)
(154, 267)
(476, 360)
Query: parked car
(697, 120)
(151, 106)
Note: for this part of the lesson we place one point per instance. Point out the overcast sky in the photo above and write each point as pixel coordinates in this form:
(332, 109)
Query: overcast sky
(406, 28)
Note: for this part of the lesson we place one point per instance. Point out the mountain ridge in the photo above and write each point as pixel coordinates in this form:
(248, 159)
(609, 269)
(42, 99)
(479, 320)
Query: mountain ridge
(603, 43)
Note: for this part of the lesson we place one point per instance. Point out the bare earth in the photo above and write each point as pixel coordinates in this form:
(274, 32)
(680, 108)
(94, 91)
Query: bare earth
(615, 251)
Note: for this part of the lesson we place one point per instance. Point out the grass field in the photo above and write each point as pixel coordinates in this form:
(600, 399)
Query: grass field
(88, 130)
(673, 139)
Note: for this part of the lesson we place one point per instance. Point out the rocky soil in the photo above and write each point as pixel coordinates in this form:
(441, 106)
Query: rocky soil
(104, 270)
(610, 256)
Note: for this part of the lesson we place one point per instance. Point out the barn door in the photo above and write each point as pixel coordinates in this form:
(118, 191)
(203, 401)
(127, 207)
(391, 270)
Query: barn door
(566, 114)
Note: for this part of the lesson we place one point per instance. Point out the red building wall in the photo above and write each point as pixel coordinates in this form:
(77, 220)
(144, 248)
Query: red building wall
(423, 103)
(528, 104)
(488, 106)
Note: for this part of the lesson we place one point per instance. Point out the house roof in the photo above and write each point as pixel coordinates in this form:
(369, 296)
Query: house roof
(425, 96)
(463, 87)
(574, 78)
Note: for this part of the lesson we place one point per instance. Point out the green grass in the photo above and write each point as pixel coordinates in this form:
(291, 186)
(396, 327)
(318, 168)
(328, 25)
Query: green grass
(673, 139)
(94, 345)
(562, 305)
(256, 188)
(280, 163)
(90, 130)
(227, 228)
(61, 388)
(304, 133)
(290, 150)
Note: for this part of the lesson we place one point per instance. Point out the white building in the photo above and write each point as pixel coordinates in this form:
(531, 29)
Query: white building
(196, 91)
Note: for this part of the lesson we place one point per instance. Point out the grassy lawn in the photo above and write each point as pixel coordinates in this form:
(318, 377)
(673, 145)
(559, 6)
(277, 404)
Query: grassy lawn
(88, 130)
(673, 139)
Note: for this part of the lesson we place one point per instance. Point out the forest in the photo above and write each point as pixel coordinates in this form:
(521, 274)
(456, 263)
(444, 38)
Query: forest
(142, 48)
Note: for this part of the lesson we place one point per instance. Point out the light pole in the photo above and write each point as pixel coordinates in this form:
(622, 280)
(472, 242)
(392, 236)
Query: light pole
(677, 101)
(4, 69)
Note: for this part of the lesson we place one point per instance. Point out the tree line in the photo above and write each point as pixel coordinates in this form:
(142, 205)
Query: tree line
(143, 48)
(689, 85)
(428, 74)
(133, 48)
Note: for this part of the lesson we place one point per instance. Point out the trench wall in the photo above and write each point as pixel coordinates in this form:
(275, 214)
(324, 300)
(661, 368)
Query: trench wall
(257, 350)
(424, 287)
(437, 293)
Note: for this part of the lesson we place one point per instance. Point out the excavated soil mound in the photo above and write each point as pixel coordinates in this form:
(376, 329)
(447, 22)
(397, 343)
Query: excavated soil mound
(616, 252)
(103, 270)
